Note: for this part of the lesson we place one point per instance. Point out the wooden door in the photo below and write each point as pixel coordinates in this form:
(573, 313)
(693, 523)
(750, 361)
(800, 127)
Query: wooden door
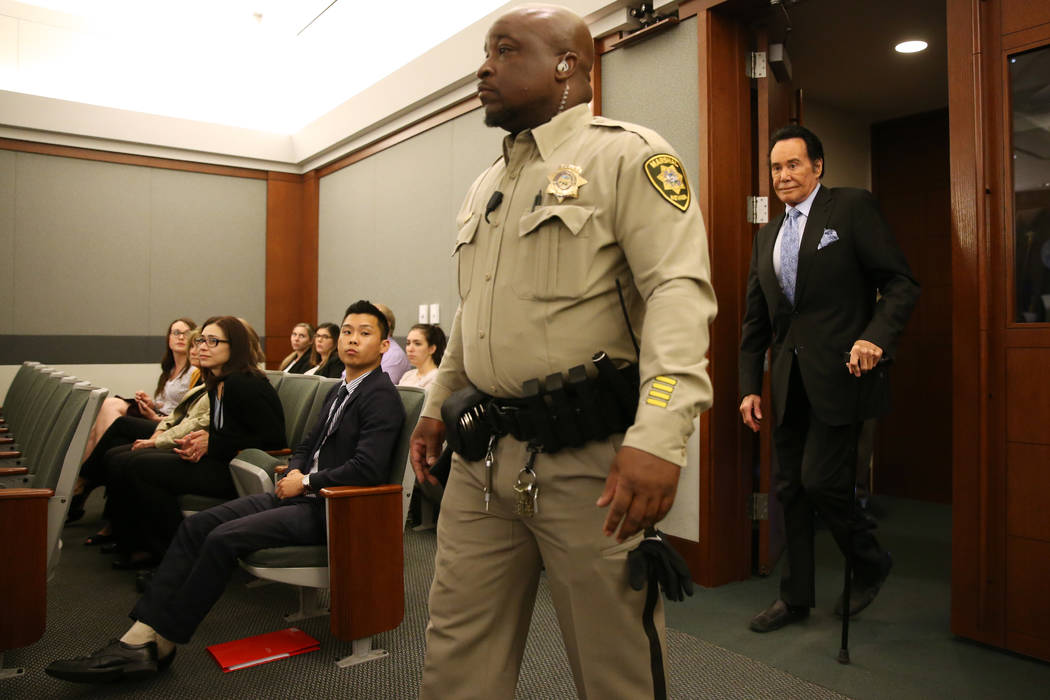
(775, 106)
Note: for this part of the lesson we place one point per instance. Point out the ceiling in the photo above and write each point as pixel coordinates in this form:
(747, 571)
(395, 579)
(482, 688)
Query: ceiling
(268, 65)
(842, 53)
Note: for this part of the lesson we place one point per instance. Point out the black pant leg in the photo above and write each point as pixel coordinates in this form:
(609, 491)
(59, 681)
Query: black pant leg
(205, 551)
(789, 439)
(123, 431)
(115, 465)
(159, 478)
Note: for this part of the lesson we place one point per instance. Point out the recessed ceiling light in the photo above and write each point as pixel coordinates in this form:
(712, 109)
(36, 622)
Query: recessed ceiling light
(910, 46)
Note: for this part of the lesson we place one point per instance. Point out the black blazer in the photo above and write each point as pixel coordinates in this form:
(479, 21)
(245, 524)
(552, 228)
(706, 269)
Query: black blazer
(333, 369)
(835, 305)
(358, 453)
(300, 365)
(252, 416)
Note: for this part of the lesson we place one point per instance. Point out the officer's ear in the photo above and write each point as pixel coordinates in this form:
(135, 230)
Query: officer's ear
(818, 165)
(566, 65)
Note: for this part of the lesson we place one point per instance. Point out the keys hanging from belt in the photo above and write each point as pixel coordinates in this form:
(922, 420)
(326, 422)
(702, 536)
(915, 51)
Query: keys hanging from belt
(526, 487)
(490, 459)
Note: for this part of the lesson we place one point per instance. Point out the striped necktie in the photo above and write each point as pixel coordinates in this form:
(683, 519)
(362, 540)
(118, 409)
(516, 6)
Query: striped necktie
(789, 245)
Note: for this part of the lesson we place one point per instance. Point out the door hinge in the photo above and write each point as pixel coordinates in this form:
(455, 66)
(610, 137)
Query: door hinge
(756, 64)
(758, 210)
(758, 506)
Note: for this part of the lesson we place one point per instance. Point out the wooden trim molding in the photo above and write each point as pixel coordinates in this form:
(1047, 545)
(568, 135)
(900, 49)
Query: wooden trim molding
(48, 149)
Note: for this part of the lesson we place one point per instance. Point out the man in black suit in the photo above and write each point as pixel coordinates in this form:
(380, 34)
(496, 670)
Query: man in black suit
(829, 292)
(351, 444)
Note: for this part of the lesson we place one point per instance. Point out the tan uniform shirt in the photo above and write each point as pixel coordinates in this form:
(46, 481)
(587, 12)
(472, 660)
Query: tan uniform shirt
(537, 279)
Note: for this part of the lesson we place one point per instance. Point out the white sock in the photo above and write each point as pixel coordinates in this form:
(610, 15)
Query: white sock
(140, 633)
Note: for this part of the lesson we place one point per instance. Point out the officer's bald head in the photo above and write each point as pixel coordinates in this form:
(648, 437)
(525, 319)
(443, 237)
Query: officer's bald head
(564, 30)
(538, 60)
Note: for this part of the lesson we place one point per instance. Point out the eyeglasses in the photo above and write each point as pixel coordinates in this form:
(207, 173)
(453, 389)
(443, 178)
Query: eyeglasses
(211, 340)
(179, 334)
(323, 336)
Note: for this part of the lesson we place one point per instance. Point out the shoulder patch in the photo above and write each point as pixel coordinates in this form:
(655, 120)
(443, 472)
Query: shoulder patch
(667, 175)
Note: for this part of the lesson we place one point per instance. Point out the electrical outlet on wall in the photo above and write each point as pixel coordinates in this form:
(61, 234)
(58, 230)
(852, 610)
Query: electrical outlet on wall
(423, 313)
(435, 315)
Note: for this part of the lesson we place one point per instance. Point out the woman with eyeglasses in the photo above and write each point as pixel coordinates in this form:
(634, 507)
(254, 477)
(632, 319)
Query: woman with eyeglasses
(325, 359)
(111, 456)
(122, 421)
(244, 412)
(298, 361)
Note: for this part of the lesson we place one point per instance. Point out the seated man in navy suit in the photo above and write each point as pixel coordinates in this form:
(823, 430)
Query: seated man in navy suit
(351, 445)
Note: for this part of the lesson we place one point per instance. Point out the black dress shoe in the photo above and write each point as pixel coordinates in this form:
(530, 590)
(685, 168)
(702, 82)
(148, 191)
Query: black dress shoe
(107, 548)
(76, 507)
(112, 662)
(777, 615)
(862, 594)
(99, 539)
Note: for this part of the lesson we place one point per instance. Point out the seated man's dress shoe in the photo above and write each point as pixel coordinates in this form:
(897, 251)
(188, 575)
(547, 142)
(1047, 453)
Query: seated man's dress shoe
(777, 615)
(862, 594)
(112, 662)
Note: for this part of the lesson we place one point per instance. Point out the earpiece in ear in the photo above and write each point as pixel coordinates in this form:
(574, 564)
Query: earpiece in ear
(563, 67)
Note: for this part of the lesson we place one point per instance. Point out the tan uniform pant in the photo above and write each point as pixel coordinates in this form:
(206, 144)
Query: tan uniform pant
(487, 570)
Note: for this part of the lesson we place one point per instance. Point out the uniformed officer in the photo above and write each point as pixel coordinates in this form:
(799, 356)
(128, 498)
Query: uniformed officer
(577, 206)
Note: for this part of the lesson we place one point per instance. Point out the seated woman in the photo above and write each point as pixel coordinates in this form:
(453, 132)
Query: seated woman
(325, 359)
(424, 347)
(191, 414)
(171, 386)
(244, 412)
(298, 361)
(121, 421)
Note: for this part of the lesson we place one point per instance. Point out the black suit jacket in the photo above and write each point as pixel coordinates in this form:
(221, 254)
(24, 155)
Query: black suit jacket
(252, 416)
(835, 305)
(358, 453)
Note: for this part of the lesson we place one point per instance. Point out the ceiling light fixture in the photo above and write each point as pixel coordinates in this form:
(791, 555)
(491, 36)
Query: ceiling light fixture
(911, 46)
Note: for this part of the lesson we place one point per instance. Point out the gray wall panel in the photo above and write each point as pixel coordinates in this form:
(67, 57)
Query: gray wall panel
(81, 246)
(207, 248)
(99, 250)
(387, 222)
(7, 241)
(654, 84)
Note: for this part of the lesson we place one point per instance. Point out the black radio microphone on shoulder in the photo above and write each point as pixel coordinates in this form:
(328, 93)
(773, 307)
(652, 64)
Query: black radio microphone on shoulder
(494, 201)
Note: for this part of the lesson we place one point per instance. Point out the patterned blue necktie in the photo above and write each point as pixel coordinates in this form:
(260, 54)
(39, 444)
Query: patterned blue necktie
(789, 245)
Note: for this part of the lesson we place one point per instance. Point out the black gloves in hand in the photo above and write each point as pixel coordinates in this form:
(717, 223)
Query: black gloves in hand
(655, 558)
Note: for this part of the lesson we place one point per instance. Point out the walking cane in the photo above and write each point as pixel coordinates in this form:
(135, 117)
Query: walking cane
(843, 657)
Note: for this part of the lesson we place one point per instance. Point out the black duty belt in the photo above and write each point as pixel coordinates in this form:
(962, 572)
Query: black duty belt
(556, 412)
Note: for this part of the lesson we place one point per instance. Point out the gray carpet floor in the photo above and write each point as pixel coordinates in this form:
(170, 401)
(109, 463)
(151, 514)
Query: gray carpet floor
(88, 604)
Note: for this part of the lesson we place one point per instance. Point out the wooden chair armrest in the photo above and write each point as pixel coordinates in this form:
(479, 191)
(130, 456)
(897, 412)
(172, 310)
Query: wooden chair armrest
(5, 430)
(13, 471)
(365, 530)
(359, 491)
(23, 494)
(279, 453)
(10, 454)
(6, 440)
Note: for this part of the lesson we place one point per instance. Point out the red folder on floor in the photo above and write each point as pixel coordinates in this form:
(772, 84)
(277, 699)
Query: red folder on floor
(262, 648)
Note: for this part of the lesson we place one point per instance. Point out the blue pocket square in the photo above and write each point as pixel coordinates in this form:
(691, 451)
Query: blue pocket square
(829, 237)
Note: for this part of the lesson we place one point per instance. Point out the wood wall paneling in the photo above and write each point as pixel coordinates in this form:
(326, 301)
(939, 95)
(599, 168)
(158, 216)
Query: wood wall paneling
(910, 178)
(291, 259)
(1027, 484)
(1028, 402)
(1018, 15)
(1027, 605)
